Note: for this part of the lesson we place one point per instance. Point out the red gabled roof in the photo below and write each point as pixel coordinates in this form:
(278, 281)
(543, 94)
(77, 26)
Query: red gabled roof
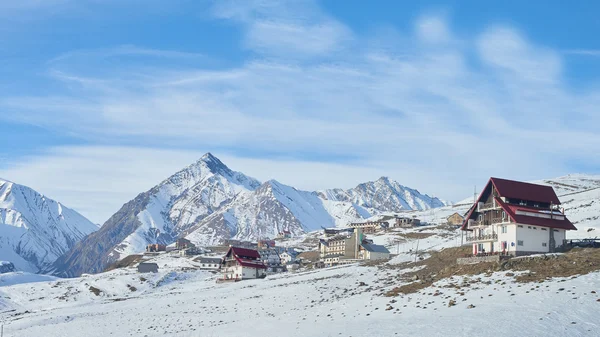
(525, 191)
(245, 253)
(511, 210)
(251, 263)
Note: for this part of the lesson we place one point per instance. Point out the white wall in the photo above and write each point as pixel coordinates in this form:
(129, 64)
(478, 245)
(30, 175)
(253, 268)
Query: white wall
(533, 237)
(377, 256)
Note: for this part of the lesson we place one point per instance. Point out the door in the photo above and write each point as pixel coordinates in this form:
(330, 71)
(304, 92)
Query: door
(552, 242)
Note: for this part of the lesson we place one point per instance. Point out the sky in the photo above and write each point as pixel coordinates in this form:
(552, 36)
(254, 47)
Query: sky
(101, 100)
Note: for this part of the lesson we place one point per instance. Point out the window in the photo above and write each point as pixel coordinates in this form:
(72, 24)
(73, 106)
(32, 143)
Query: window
(544, 244)
(504, 229)
(519, 242)
(534, 227)
(503, 215)
(544, 229)
(536, 205)
(520, 226)
(556, 230)
(529, 227)
(480, 247)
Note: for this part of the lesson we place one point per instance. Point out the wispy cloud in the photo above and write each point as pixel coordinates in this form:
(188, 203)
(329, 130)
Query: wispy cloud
(437, 111)
(583, 52)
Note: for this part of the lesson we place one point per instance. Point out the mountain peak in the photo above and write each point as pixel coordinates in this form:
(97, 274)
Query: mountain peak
(215, 164)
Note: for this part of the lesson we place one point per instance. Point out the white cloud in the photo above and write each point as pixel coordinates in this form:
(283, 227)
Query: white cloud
(433, 29)
(295, 29)
(426, 114)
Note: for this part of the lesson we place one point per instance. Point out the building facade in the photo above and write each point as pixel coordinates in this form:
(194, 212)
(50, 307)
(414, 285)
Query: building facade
(455, 219)
(209, 263)
(369, 251)
(370, 226)
(516, 218)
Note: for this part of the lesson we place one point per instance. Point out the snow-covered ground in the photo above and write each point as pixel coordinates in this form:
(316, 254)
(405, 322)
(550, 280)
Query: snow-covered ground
(327, 302)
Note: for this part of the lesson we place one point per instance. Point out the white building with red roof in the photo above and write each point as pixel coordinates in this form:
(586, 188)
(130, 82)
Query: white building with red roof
(516, 218)
(241, 264)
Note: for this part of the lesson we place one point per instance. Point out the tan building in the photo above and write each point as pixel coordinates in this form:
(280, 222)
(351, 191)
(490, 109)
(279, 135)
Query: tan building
(455, 219)
(370, 226)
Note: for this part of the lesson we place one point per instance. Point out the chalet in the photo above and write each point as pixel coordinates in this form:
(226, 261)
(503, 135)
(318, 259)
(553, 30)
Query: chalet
(241, 264)
(455, 219)
(155, 247)
(182, 243)
(369, 251)
(516, 218)
(146, 267)
(370, 226)
(209, 263)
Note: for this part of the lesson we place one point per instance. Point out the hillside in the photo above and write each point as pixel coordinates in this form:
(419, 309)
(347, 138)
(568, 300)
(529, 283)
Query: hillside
(34, 229)
(327, 302)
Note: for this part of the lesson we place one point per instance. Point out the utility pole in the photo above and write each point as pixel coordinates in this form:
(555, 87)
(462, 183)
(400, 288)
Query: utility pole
(417, 251)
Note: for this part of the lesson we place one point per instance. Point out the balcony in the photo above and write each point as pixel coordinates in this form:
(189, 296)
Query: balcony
(482, 238)
(481, 207)
(496, 221)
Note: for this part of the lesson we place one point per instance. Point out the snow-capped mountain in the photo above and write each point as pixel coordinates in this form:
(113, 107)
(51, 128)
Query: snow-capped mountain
(275, 207)
(159, 215)
(384, 195)
(36, 230)
(208, 203)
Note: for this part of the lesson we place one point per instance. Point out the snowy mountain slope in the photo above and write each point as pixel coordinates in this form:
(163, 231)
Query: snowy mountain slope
(580, 197)
(384, 194)
(272, 208)
(36, 230)
(324, 302)
(159, 215)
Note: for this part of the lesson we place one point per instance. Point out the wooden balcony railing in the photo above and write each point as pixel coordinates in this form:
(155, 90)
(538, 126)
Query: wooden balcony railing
(486, 237)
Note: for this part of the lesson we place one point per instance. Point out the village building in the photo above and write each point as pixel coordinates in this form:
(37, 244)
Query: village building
(329, 232)
(239, 243)
(516, 218)
(406, 222)
(270, 257)
(265, 243)
(155, 247)
(183, 243)
(455, 219)
(209, 263)
(369, 251)
(370, 226)
(241, 264)
(284, 235)
(288, 256)
(191, 251)
(146, 267)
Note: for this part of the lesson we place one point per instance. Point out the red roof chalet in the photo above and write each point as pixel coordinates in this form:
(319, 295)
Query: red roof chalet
(245, 257)
(524, 203)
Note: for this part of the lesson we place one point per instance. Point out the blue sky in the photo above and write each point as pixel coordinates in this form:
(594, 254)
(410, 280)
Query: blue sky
(100, 100)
